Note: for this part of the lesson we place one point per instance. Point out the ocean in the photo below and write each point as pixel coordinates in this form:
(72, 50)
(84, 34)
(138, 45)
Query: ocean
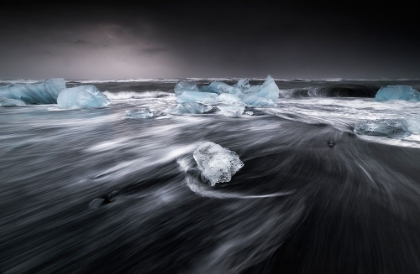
(94, 191)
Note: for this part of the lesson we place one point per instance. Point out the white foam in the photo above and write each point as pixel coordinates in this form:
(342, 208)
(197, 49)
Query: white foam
(123, 95)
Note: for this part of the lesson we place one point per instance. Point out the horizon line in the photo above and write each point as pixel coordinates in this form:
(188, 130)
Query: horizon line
(27, 80)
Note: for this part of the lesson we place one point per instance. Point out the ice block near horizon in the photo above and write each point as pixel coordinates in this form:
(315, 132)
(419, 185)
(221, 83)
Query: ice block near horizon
(262, 95)
(6, 102)
(229, 99)
(85, 96)
(232, 110)
(197, 96)
(183, 85)
(397, 92)
(45, 92)
(190, 108)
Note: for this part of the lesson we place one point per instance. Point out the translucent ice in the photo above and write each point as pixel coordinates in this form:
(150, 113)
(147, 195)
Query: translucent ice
(139, 113)
(257, 101)
(232, 105)
(235, 110)
(243, 84)
(220, 87)
(86, 96)
(414, 125)
(190, 108)
(397, 92)
(263, 95)
(268, 90)
(229, 99)
(182, 86)
(45, 92)
(6, 102)
(259, 95)
(391, 128)
(197, 96)
(217, 164)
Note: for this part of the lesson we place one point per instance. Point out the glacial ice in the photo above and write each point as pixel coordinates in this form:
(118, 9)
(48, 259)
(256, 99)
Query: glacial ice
(85, 96)
(6, 102)
(232, 105)
(197, 96)
(243, 84)
(258, 95)
(139, 113)
(190, 108)
(391, 128)
(45, 92)
(257, 101)
(268, 89)
(183, 85)
(397, 92)
(414, 125)
(229, 99)
(220, 88)
(235, 110)
(263, 95)
(216, 163)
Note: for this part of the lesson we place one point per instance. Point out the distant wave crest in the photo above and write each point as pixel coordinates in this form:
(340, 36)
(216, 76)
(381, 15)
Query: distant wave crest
(137, 95)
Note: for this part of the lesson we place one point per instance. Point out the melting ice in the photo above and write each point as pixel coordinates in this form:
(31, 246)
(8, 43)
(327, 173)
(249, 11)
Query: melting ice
(45, 92)
(85, 96)
(190, 108)
(217, 164)
(391, 128)
(139, 113)
(397, 92)
(6, 102)
(232, 110)
(258, 95)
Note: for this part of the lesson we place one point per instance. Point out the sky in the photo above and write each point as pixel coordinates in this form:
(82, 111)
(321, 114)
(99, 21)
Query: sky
(185, 39)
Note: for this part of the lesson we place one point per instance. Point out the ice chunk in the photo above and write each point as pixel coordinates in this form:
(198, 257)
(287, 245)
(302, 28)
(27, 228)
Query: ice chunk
(257, 101)
(249, 112)
(268, 90)
(391, 128)
(45, 92)
(182, 86)
(263, 95)
(243, 84)
(190, 108)
(197, 96)
(217, 164)
(220, 87)
(139, 113)
(397, 92)
(229, 99)
(233, 106)
(414, 125)
(260, 95)
(6, 102)
(86, 96)
(235, 110)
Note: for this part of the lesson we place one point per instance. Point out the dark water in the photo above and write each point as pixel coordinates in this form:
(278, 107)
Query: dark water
(313, 197)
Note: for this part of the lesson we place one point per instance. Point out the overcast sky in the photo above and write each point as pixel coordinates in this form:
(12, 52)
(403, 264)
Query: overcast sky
(208, 39)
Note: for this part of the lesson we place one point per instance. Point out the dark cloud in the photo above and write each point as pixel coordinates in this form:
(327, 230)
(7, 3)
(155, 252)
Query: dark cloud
(153, 51)
(81, 42)
(218, 39)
